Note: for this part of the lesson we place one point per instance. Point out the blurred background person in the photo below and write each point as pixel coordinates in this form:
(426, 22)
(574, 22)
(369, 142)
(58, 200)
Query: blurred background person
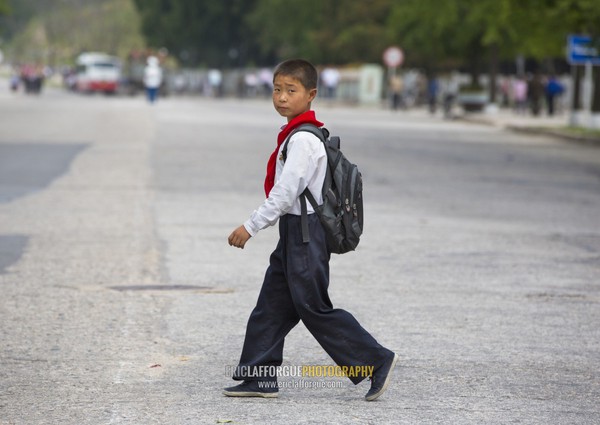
(265, 77)
(330, 78)
(152, 78)
(432, 93)
(215, 82)
(396, 86)
(520, 95)
(32, 77)
(251, 83)
(536, 94)
(450, 94)
(15, 80)
(553, 89)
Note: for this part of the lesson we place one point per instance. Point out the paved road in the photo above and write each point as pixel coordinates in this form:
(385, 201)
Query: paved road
(123, 304)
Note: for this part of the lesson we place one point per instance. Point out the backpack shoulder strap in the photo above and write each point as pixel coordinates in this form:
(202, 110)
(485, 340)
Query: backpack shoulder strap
(321, 133)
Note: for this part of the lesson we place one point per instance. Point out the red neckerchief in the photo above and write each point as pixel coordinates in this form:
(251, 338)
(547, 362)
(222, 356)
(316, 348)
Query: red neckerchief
(307, 117)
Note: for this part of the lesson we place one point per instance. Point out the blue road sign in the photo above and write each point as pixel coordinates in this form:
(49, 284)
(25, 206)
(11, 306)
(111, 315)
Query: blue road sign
(582, 49)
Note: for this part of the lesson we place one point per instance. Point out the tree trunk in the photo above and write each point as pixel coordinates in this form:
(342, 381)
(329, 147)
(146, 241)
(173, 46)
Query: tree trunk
(596, 94)
(577, 74)
(493, 72)
(476, 51)
(475, 72)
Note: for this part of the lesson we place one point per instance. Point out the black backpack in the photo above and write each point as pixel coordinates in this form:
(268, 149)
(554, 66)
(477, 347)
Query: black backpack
(341, 213)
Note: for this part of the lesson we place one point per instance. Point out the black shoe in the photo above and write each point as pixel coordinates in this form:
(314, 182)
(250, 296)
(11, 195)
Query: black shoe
(381, 379)
(267, 389)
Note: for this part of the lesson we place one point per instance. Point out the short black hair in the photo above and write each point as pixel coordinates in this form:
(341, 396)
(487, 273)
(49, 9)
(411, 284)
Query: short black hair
(300, 69)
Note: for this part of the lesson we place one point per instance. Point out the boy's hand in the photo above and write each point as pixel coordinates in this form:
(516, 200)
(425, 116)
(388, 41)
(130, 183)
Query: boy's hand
(239, 237)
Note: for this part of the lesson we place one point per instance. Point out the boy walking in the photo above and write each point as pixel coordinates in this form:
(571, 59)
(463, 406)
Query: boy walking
(296, 281)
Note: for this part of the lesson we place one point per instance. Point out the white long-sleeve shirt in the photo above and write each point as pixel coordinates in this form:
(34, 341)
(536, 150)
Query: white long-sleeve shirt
(152, 76)
(305, 166)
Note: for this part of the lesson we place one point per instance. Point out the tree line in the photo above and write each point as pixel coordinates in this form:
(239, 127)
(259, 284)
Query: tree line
(54, 32)
(434, 34)
(476, 36)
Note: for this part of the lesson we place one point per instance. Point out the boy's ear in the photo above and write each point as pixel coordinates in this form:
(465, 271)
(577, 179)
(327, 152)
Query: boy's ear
(312, 93)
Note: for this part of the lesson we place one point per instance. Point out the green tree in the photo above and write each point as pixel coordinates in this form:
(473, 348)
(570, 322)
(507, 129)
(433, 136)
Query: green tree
(578, 17)
(493, 28)
(472, 33)
(351, 31)
(20, 14)
(324, 31)
(57, 31)
(199, 31)
(426, 31)
(238, 32)
(284, 28)
(477, 34)
(4, 8)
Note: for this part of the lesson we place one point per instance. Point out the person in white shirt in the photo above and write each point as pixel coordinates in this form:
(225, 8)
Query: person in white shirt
(152, 78)
(296, 281)
(331, 78)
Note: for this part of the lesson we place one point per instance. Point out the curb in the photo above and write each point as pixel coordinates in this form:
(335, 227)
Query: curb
(549, 131)
(556, 132)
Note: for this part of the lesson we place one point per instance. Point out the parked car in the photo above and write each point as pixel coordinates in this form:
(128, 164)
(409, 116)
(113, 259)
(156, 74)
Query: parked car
(97, 72)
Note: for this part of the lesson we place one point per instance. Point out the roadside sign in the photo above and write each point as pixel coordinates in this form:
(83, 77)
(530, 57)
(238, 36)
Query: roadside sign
(583, 49)
(393, 56)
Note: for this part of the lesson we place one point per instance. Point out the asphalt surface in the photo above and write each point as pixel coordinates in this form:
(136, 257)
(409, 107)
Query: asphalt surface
(121, 302)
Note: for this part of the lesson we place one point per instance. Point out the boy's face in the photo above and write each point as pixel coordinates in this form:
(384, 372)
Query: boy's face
(290, 97)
